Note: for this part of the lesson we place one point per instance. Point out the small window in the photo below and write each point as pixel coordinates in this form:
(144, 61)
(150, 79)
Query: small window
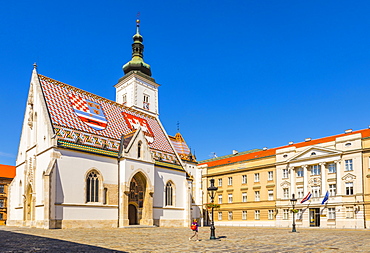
(256, 177)
(285, 173)
(230, 181)
(244, 197)
(313, 153)
(333, 190)
(331, 213)
(300, 172)
(286, 193)
(244, 179)
(257, 195)
(139, 149)
(146, 103)
(257, 214)
(349, 188)
(348, 165)
(300, 192)
(285, 214)
(285, 156)
(1, 188)
(244, 215)
(270, 175)
(220, 198)
(349, 212)
(2, 203)
(230, 198)
(219, 182)
(219, 215)
(271, 214)
(332, 168)
(348, 144)
(315, 191)
(315, 170)
(270, 194)
(230, 215)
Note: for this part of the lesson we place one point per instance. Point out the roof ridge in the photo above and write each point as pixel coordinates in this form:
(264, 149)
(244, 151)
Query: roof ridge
(231, 155)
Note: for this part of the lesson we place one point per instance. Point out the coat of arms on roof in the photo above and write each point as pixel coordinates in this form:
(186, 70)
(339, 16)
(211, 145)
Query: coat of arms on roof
(135, 122)
(91, 113)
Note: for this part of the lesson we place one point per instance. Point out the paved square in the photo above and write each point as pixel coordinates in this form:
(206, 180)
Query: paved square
(232, 239)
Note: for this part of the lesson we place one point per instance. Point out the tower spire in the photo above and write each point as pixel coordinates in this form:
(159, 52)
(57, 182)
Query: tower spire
(137, 63)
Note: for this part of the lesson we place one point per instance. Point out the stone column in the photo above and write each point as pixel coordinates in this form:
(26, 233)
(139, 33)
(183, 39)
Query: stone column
(305, 180)
(339, 177)
(323, 179)
(292, 181)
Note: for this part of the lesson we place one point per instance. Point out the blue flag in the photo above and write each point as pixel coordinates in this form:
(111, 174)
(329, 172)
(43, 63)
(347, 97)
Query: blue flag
(325, 198)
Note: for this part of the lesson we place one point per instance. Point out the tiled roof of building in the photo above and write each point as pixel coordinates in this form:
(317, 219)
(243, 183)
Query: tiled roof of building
(181, 147)
(257, 153)
(7, 171)
(92, 122)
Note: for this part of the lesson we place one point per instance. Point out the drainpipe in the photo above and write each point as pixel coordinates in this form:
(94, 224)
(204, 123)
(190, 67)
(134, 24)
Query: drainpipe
(119, 156)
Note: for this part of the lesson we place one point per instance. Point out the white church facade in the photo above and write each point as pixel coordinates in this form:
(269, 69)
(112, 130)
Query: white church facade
(86, 161)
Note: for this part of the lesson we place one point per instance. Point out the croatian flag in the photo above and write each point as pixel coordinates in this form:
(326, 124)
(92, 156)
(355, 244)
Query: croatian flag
(306, 198)
(325, 198)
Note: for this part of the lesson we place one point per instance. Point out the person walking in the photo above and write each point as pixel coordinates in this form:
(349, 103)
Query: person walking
(194, 227)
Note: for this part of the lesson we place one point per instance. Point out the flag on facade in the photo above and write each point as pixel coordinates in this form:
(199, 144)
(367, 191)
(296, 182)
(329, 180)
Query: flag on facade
(325, 198)
(308, 196)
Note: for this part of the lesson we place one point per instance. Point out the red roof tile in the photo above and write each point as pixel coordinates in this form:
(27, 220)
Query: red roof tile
(7, 171)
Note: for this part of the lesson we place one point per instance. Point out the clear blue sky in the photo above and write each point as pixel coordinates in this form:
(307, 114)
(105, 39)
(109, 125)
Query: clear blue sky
(236, 74)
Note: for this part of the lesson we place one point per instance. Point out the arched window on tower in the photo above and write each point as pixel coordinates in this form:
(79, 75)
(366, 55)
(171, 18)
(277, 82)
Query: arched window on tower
(169, 194)
(92, 187)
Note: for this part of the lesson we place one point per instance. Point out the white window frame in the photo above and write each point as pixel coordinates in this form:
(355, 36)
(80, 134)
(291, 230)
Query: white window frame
(270, 195)
(220, 198)
(230, 198)
(244, 197)
(219, 216)
(315, 170)
(270, 175)
(349, 188)
(230, 181)
(256, 177)
(315, 191)
(332, 168)
(257, 214)
(331, 213)
(270, 214)
(300, 192)
(285, 193)
(348, 165)
(244, 215)
(333, 190)
(219, 182)
(244, 179)
(285, 214)
(300, 172)
(285, 173)
(230, 215)
(257, 196)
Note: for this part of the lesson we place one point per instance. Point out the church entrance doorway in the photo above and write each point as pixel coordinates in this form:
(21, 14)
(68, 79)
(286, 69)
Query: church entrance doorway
(136, 199)
(29, 206)
(132, 214)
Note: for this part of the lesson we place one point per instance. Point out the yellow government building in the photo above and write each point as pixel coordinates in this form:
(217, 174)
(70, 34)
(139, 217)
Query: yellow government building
(331, 173)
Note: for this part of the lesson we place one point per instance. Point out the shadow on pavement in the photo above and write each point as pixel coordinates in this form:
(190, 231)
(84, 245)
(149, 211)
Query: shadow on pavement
(17, 242)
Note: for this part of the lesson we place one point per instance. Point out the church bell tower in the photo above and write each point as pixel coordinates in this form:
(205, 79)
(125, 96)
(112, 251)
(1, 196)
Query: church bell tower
(137, 89)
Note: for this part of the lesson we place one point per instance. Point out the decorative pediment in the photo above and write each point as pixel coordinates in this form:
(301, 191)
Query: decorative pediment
(349, 177)
(313, 152)
(285, 184)
(316, 181)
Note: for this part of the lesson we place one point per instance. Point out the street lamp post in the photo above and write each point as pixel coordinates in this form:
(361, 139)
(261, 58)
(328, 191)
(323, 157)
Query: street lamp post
(212, 191)
(293, 201)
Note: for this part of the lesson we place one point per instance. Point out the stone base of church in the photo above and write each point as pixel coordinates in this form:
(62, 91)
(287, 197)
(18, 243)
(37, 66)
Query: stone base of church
(169, 223)
(55, 224)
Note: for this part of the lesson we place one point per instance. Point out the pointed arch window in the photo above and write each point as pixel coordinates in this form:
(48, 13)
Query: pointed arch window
(92, 187)
(169, 194)
(139, 147)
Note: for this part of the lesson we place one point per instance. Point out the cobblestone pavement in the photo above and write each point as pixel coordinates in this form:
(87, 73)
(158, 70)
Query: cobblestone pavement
(231, 239)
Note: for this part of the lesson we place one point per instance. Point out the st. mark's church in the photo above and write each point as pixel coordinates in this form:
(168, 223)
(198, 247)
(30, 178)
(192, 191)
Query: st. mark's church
(86, 161)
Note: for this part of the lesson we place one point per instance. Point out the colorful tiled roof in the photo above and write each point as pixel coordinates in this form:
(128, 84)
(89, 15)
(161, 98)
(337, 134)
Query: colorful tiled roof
(7, 171)
(365, 133)
(88, 120)
(181, 147)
